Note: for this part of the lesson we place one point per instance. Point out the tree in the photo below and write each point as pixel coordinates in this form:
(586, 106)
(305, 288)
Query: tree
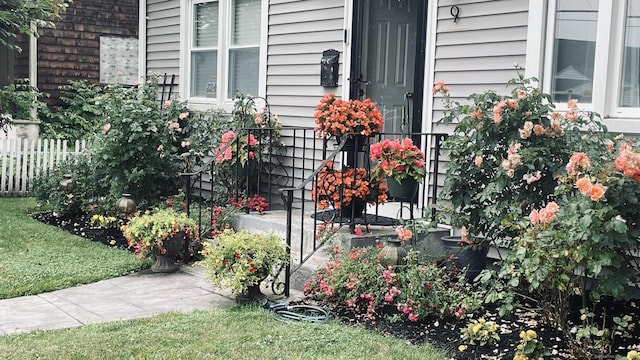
(16, 17)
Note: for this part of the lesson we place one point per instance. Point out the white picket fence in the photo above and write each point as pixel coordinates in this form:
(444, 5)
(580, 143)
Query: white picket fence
(22, 160)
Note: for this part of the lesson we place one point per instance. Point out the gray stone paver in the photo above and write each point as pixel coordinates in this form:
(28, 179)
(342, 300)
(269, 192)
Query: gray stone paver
(133, 296)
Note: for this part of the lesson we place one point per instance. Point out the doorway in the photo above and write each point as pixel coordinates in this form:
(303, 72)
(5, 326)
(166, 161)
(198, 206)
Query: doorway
(388, 52)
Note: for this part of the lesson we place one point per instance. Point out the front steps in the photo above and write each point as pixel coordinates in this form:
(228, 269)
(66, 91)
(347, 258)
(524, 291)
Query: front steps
(275, 220)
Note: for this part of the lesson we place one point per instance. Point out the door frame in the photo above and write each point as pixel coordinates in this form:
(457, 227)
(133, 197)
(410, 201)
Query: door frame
(356, 52)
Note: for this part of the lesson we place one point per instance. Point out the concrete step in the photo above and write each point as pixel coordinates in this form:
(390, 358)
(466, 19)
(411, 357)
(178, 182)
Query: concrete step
(275, 220)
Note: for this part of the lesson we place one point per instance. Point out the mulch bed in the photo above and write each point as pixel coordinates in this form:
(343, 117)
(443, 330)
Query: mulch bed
(81, 226)
(445, 334)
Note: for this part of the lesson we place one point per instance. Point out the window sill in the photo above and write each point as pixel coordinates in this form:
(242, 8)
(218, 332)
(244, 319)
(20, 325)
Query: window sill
(624, 125)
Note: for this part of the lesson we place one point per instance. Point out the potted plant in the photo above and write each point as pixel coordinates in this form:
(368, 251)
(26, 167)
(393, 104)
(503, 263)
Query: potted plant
(401, 163)
(353, 118)
(242, 260)
(348, 190)
(161, 233)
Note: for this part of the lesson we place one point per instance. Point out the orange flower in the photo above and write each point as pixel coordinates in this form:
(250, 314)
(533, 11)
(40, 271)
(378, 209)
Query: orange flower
(534, 216)
(404, 234)
(339, 188)
(339, 117)
(584, 185)
(597, 192)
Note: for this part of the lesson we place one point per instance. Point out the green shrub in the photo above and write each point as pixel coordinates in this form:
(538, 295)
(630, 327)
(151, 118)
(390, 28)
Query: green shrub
(85, 196)
(81, 116)
(19, 99)
(136, 152)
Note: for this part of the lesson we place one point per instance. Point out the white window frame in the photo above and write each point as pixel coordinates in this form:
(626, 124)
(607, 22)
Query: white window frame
(224, 41)
(607, 62)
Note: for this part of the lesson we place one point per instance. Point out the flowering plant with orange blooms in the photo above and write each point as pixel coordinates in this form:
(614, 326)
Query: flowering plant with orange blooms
(338, 188)
(399, 159)
(505, 154)
(339, 117)
(556, 188)
(591, 230)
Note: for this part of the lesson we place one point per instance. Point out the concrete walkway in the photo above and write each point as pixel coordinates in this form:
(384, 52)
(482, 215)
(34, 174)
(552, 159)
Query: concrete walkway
(139, 295)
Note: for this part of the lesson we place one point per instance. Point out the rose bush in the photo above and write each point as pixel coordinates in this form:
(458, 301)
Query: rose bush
(505, 153)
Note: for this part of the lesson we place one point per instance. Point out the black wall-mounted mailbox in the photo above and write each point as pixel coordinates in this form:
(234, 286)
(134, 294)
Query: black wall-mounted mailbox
(329, 68)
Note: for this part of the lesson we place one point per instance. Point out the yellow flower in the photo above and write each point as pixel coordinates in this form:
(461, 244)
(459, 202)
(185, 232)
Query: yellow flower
(531, 335)
(475, 328)
(462, 347)
(481, 320)
(528, 335)
(520, 357)
(633, 355)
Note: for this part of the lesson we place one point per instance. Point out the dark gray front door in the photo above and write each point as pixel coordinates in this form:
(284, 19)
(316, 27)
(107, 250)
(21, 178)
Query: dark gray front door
(388, 64)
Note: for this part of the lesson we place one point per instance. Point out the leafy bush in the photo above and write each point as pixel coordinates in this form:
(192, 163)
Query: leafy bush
(136, 152)
(82, 199)
(19, 99)
(505, 154)
(81, 116)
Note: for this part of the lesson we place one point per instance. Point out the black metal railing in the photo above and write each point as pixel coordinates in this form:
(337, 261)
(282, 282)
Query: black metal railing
(295, 198)
(286, 175)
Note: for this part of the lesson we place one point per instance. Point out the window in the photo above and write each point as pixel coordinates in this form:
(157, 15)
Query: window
(630, 84)
(574, 45)
(593, 55)
(224, 48)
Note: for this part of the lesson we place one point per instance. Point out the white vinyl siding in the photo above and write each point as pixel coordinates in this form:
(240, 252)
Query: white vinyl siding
(163, 37)
(478, 51)
(299, 31)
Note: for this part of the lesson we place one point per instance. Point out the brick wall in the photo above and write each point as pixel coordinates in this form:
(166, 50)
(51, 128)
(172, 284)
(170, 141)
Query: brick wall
(71, 51)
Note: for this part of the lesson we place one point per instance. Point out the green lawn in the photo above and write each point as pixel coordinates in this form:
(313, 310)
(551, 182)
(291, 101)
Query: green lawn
(38, 258)
(247, 332)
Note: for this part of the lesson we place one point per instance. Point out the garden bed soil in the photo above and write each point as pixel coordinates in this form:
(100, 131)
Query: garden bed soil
(444, 334)
(81, 225)
(447, 333)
